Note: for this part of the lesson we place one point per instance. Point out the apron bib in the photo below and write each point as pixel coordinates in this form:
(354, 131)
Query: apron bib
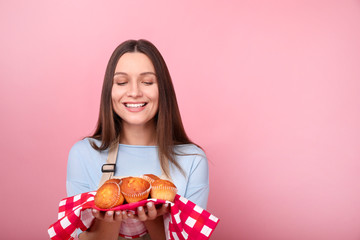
(130, 228)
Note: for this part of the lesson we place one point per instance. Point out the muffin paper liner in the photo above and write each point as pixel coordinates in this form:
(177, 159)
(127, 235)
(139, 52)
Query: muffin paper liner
(163, 192)
(149, 179)
(173, 189)
(139, 196)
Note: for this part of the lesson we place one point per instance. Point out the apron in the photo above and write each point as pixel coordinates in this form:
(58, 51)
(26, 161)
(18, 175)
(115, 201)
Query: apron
(145, 237)
(108, 171)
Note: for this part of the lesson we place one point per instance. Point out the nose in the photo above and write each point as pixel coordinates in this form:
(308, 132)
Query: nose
(134, 90)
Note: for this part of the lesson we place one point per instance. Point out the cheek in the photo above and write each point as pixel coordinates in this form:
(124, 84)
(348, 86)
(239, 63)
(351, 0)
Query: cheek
(152, 94)
(115, 94)
(155, 98)
(156, 94)
(116, 101)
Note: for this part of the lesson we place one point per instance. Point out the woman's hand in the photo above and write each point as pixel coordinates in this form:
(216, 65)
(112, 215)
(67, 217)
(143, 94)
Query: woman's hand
(150, 213)
(110, 216)
(110, 222)
(106, 225)
(153, 219)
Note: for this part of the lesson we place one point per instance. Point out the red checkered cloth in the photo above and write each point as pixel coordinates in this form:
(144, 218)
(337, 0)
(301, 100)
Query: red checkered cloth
(187, 220)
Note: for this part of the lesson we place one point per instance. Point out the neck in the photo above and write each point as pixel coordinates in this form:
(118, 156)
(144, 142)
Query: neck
(138, 134)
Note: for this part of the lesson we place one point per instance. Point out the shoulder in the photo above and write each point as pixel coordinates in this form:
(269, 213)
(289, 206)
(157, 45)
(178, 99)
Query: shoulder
(190, 155)
(83, 148)
(189, 149)
(83, 156)
(85, 144)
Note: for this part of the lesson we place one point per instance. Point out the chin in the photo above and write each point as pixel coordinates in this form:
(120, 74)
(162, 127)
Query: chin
(136, 122)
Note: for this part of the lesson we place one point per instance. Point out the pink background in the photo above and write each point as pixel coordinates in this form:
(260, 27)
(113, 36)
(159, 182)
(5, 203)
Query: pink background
(270, 89)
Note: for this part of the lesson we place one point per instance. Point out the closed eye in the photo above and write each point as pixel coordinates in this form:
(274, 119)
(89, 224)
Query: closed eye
(148, 83)
(121, 83)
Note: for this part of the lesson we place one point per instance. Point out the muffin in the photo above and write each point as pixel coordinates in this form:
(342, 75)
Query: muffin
(115, 180)
(150, 177)
(163, 189)
(109, 195)
(135, 189)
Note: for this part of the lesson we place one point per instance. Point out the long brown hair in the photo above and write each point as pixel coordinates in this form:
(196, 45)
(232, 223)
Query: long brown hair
(169, 128)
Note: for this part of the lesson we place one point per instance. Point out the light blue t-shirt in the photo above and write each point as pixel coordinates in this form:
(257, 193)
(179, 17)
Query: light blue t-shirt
(84, 168)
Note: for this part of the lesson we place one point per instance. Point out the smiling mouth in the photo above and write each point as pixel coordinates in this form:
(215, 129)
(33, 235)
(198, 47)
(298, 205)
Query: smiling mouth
(134, 105)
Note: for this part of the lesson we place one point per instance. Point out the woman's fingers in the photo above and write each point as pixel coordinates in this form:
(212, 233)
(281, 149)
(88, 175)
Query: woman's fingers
(164, 209)
(130, 215)
(109, 216)
(96, 213)
(118, 216)
(141, 214)
(124, 215)
(152, 212)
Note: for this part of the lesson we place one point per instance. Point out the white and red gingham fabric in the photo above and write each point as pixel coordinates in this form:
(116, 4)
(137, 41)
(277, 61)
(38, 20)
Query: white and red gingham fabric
(187, 220)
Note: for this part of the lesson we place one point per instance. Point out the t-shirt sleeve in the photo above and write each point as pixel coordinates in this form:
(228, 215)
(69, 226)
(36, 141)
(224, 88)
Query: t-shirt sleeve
(198, 184)
(75, 179)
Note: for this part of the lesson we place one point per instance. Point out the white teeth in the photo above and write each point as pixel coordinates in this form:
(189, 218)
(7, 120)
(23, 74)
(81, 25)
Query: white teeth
(134, 105)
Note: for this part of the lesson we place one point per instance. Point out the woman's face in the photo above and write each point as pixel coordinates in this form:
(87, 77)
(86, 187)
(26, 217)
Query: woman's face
(135, 93)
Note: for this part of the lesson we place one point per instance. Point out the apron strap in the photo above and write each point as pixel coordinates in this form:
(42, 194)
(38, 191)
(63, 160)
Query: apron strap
(108, 169)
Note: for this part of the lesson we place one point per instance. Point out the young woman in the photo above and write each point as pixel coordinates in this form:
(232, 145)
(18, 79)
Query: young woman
(138, 111)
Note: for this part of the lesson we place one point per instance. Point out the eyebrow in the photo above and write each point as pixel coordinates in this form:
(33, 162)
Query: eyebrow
(141, 74)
